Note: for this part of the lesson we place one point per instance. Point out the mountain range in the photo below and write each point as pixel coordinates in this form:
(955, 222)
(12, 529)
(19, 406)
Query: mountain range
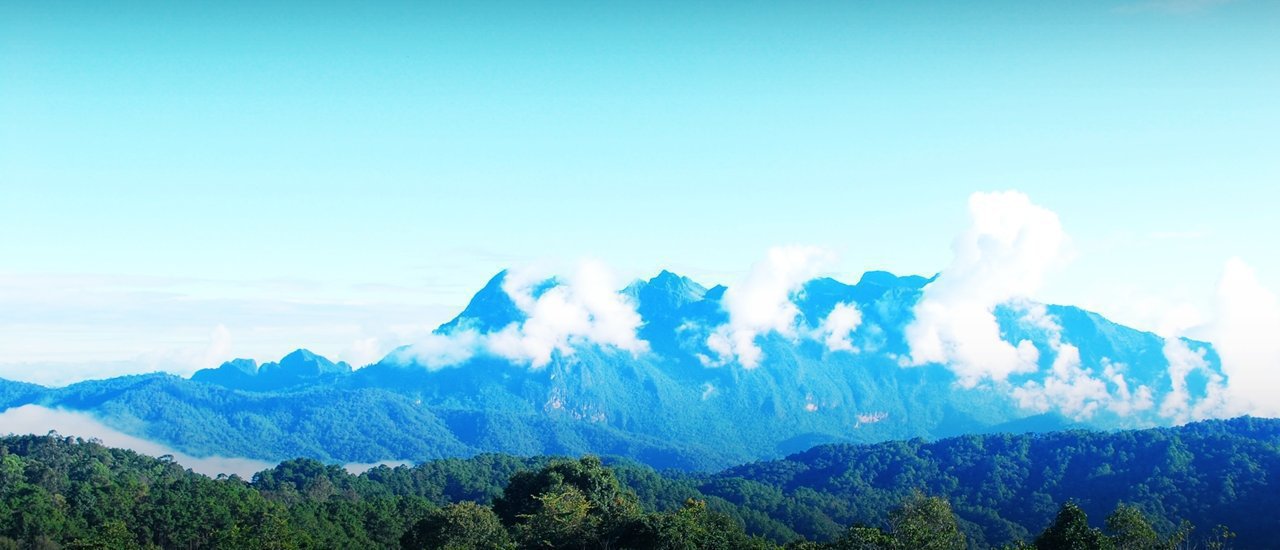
(669, 405)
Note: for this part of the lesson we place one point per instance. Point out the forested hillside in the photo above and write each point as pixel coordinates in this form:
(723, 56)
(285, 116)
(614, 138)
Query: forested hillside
(1156, 487)
(1009, 487)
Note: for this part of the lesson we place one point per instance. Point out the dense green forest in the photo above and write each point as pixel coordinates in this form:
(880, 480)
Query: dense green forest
(1159, 488)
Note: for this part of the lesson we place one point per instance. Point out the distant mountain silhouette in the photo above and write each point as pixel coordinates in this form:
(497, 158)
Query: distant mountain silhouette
(296, 369)
(671, 406)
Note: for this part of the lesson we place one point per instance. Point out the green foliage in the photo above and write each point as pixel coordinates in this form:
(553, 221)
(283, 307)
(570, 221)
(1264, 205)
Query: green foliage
(561, 518)
(1071, 531)
(991, 490)
(926, 523)
(1219, 539)
(1006, 488)
(595, 483)
(461, 526)
(920, 522)
(1129, 529)
(694, 526)
(569, 503)
(69, 493)
(864, 538)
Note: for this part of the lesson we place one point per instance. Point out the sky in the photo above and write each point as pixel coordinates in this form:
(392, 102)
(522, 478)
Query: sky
(185, 184)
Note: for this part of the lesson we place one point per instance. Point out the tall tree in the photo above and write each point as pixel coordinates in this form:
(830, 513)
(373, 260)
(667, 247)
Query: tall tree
(1070, 531)
(925, 523)
(1129, 529)
(567, 496)
(461, 526)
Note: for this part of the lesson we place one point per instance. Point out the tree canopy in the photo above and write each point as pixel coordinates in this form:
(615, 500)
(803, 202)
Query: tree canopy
(67, 492)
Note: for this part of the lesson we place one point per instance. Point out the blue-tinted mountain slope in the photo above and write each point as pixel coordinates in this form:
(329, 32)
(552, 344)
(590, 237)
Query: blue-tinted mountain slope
(675, 404)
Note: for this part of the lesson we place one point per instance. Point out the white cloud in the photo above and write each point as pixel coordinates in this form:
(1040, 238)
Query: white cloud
(1182, 361)
(1246, 334)
(583, 308)
(1177, 404)
(184, 362)
(219, 349)
(586, 308)
(436, 351)
(1176, 320)
(364, 351)
(761, 303)
(357, 468)
(1069, 387)
(60, 328)
(1037, 315)
(839, 325)
(1244, 329)
(1126, 401)
(34, 419)
(58, 374)
(1004, 255)
(180, 361)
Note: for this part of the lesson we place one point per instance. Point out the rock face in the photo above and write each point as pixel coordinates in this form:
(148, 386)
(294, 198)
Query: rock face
(677, 404)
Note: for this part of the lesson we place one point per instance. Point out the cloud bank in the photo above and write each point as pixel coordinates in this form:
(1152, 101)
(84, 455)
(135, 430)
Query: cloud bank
(1071, 387)
(838, 326)
(1177, 404)
(1003, 257)
(34, 419)
(1008, 248)
(57, 329)
(762, 302)
(583, 307)
(1245, 331)
(586, 308)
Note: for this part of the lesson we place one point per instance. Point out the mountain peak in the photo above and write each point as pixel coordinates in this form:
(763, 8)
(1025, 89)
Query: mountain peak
(300, 354)
(666, 291)
(490, 309)
(670, 281)
(246, 366)
(233, 373)
(298, 366)
(665, 275)
(304, 363)
(889, 280)
(667, 279)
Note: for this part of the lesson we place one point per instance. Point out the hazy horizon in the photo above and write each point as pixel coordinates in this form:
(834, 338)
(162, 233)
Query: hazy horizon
(186, 185)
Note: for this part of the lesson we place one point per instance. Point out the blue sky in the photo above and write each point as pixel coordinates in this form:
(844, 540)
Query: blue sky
(182, 184)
